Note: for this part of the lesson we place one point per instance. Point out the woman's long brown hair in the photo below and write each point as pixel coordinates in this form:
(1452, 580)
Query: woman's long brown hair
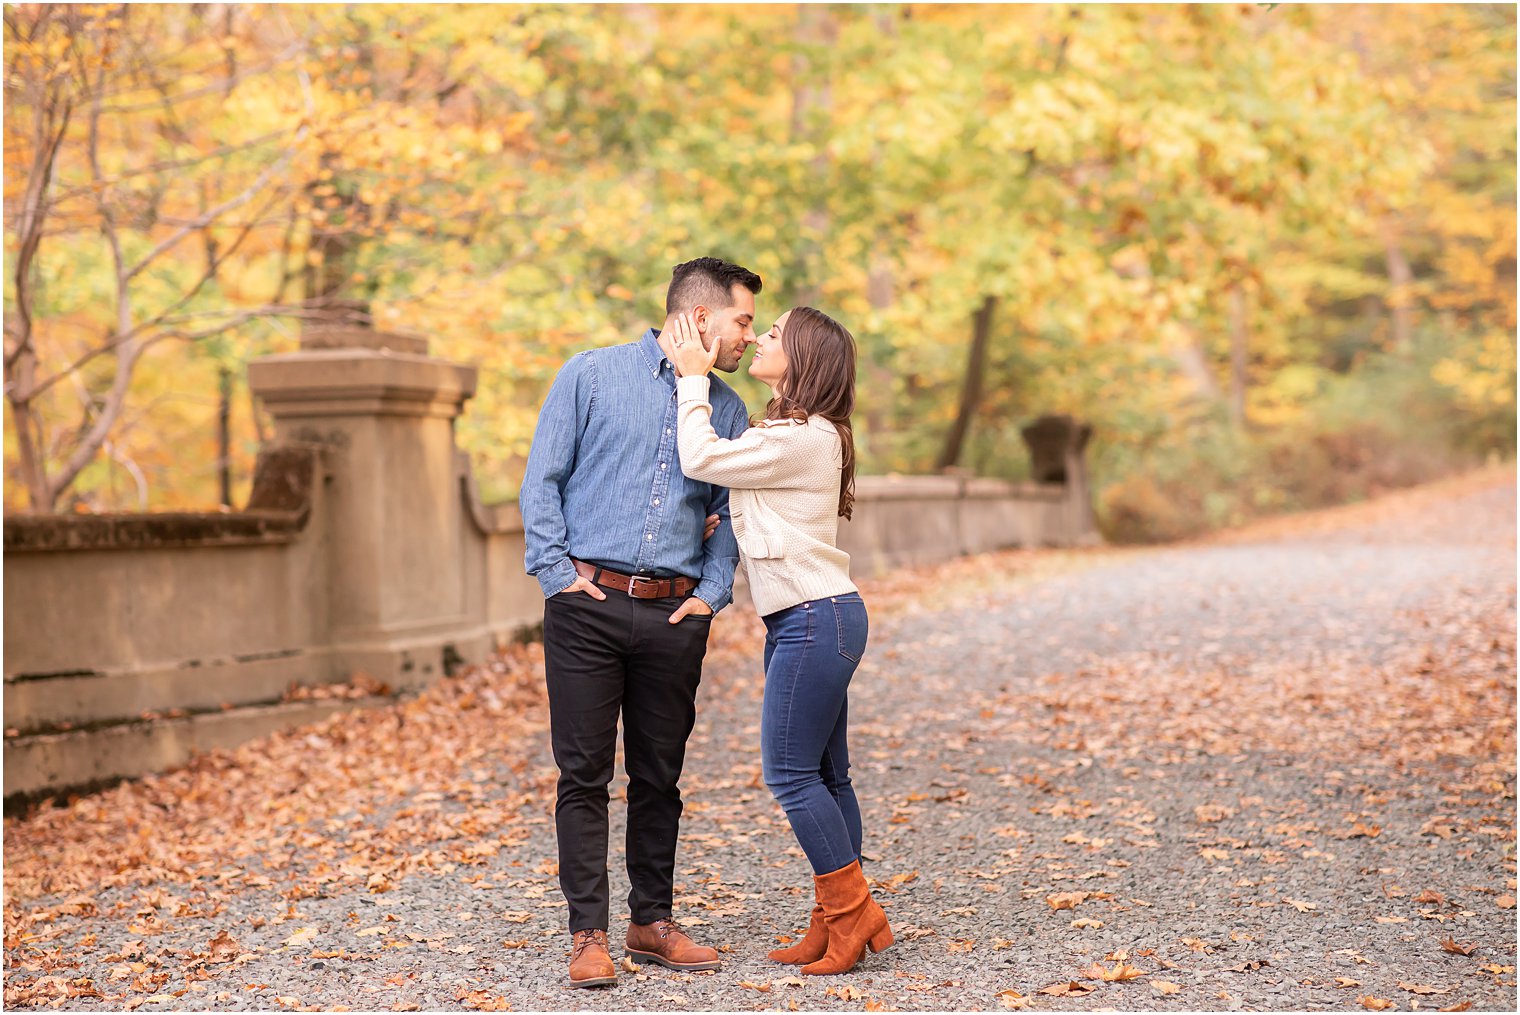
(820, 381)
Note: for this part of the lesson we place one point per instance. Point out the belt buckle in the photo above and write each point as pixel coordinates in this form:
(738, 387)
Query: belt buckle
(633, 583)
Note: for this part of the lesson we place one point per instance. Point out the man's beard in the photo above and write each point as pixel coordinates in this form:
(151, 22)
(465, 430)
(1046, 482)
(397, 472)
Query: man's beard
(727, 361)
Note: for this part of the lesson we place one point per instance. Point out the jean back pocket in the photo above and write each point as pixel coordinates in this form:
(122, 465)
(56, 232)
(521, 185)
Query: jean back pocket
(851, 624)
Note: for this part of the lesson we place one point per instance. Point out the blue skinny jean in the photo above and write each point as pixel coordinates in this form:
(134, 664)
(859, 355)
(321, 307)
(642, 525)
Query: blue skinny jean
(811, 651)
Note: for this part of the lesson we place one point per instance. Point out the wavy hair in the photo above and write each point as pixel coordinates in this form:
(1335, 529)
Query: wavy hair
(820, 381)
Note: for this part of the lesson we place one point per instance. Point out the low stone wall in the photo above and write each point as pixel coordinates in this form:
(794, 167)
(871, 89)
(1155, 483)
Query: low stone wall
(901, 521)
(364, 557)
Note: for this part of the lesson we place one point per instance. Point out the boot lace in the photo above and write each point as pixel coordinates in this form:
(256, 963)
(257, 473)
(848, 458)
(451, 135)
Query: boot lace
(585, 939)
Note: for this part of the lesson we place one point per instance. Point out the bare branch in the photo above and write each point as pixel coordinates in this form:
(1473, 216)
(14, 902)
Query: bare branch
(219, 84)
(211, 215)
(107, 213)
(156, 168)
(29, 228)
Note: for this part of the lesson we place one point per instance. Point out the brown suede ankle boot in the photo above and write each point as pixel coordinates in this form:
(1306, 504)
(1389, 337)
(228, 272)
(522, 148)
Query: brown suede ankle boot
(854, 921)
(811, 947)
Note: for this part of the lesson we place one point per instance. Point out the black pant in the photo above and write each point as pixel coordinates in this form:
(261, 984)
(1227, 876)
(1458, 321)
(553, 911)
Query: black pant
(602, 657)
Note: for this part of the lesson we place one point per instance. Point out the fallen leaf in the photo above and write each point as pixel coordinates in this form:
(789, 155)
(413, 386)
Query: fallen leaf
(1438, 826)
(1375, 1003)
(223, 948)
(845, 993)
(1505, 902)
(1012, 1000)
(629, 965)
(1450, 945)
(1083, 922)
(1165, 987)
(1422, 988)
(1069, 989)
(1066, 900)
(896, 881)
(301, 937)
(1301, 905)
(1459, 1006)
(763, 988)
(480, 1000)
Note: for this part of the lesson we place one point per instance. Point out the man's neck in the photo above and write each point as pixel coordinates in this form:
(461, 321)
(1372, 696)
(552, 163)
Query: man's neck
(667, 344)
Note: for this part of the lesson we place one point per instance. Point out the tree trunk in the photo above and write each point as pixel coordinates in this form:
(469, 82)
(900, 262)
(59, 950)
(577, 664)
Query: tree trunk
(29, 444)
(971, 384)
(812, 97)
(1193, 361)
(224, 436)
(1400, 283)
(1238, 342)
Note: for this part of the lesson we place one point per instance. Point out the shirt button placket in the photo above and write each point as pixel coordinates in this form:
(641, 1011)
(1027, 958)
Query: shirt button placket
(661, 483)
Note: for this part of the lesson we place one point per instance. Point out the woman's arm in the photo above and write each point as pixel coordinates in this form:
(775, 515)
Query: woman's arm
(759, 458)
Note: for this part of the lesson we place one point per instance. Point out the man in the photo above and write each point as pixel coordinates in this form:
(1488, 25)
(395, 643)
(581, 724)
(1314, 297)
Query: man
(614, 535)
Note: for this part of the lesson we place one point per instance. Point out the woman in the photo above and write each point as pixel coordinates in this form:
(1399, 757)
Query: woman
(791, 477)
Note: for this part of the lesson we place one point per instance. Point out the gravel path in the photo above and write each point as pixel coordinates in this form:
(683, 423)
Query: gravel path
(1269, 771)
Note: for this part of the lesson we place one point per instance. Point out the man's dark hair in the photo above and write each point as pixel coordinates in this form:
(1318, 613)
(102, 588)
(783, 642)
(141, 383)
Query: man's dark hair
(709, 282)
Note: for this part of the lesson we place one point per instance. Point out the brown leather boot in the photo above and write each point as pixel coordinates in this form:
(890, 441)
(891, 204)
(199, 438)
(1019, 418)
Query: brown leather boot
(811, 947)
(664, 943)
(590, 965)
(855, 922)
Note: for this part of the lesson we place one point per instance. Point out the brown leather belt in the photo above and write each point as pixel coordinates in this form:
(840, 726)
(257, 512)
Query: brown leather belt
(635, 586)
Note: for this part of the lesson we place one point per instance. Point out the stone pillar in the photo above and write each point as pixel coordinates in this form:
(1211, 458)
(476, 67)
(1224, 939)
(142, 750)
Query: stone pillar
(384, 410)
(1057, 453)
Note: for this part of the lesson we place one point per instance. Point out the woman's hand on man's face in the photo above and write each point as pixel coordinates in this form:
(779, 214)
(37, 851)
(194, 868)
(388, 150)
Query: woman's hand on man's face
(687, 353)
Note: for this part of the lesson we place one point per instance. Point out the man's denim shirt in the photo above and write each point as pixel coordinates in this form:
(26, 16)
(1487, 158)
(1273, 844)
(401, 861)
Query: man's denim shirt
(604, 481)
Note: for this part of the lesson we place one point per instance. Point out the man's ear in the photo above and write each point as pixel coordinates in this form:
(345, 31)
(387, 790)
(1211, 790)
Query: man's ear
(702, 317)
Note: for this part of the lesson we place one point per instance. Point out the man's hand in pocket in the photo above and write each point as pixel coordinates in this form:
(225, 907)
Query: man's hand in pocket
(693, 607)
(586, 586)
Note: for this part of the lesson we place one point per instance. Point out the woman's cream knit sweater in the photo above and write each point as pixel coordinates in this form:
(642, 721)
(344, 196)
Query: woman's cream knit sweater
(783, 481)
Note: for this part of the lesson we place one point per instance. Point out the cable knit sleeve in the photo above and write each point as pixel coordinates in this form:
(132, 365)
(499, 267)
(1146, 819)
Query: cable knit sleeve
(760, 458)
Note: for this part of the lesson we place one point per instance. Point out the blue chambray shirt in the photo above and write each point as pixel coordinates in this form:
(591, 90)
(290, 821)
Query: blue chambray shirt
(604, 481)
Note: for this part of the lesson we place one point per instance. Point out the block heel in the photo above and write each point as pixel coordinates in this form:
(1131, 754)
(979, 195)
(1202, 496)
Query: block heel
(855, 924)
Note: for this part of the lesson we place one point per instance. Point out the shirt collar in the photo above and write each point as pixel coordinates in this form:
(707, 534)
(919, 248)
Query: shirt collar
(649, 345)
